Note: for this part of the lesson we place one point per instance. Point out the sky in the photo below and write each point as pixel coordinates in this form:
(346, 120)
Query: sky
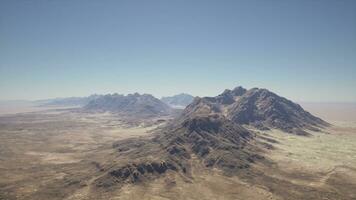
(304, 50)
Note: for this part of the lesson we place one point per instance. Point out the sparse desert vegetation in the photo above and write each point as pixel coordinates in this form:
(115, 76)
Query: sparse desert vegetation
(44, 154)
(62, 153)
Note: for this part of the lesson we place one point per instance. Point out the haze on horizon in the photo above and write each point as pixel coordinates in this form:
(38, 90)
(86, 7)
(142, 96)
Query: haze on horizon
(303, 50)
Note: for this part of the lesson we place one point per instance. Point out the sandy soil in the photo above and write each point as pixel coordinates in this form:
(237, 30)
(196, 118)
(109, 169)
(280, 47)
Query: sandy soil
(39, 148)
(322, 151)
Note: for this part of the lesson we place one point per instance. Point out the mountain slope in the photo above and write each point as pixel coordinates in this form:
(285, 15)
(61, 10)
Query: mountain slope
(261, 107)
(213, 139)
(257, 107)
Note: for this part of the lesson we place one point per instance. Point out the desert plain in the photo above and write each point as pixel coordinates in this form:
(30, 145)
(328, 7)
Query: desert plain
(56, 153)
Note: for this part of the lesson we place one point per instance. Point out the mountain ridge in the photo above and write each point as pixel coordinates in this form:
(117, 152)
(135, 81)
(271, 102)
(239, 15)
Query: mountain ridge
(257, 107)
(131, 104)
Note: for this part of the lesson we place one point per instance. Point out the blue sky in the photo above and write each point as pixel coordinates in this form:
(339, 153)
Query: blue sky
(304, 50)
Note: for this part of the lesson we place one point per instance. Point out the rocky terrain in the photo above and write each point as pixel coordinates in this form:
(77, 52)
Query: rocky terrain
(216, 141)
(211, 130)
(179, 100)
(257, 107)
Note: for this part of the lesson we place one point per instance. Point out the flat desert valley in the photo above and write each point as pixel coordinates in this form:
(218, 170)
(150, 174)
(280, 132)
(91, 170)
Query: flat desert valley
(57, 153)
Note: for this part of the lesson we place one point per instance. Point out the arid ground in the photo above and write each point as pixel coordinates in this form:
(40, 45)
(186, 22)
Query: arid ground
(57, 153)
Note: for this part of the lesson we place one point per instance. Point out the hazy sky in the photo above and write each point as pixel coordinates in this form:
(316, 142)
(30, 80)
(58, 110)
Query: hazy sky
(304, 50)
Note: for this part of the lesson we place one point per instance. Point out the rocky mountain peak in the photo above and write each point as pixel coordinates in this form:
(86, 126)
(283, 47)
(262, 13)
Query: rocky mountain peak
(238, 91)
(257, 107)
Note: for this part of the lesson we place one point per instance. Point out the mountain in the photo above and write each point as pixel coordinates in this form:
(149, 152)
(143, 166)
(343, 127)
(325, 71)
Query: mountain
(214, 140)
(257, 107)
(179, 100)
(69, 101)
(209, 133)
(263, 108)
(132, 104)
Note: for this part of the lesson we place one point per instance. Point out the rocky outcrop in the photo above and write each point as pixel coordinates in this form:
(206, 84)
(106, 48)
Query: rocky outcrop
(135, 172)
(230, 96)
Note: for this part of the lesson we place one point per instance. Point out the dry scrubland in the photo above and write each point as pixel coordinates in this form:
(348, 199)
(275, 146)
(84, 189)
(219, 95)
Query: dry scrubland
(55, 154)
(46, 154)
(320, 162)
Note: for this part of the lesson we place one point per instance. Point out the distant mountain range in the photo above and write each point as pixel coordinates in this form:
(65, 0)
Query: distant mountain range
(68, 101)
(256, 107)
(179, 100)
(132, 104)
(176, 101)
